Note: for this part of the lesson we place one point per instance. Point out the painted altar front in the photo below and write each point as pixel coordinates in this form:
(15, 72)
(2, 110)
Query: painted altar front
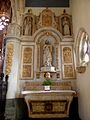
(48, 104)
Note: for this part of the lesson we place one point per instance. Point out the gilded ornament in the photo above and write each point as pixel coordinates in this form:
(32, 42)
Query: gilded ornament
(9, 56)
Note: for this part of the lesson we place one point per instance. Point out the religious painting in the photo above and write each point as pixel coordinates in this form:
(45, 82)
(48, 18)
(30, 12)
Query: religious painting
(27, 62)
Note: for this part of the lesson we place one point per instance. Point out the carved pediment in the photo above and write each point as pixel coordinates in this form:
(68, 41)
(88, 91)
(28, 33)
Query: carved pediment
(47, 19)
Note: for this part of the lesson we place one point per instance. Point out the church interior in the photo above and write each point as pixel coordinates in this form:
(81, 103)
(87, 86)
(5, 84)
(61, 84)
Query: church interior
(44, 59)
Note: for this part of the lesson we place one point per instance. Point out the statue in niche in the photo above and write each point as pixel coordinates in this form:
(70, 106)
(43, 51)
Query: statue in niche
(27, 25)
(47, 56)
(66, 26)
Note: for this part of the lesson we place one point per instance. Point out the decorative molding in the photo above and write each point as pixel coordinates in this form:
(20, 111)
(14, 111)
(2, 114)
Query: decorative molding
(81, 69)
(13, 30)
(47, 18)
(68, 71)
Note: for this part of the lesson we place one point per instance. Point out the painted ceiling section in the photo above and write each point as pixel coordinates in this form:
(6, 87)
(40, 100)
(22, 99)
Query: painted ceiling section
(47, 3)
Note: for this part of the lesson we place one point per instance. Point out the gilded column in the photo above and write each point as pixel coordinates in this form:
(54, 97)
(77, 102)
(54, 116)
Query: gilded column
(12, 59)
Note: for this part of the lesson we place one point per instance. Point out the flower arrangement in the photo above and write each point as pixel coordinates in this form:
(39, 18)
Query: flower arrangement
(47, 82)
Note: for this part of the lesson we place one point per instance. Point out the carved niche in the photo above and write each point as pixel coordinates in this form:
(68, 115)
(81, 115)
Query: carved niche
(28, 24)
(66, 24)
(50, 44)
(47, 19)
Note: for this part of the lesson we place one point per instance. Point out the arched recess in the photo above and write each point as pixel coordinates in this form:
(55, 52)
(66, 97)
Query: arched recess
(54, 38)
(82, 48)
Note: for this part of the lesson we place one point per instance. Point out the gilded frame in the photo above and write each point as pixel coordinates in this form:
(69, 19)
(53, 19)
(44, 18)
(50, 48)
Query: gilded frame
(27, 62)
(67, 61)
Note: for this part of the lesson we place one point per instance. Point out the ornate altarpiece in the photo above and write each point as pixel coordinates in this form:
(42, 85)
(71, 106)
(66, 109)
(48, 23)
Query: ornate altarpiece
(47, 27)
(37, 34)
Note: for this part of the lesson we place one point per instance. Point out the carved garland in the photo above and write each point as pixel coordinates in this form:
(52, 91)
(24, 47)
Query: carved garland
(9, 56)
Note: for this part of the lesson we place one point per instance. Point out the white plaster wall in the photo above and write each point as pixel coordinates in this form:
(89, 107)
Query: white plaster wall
(81, 18)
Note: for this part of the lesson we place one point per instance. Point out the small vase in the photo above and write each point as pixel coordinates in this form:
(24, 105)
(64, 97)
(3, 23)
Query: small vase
(47, 87)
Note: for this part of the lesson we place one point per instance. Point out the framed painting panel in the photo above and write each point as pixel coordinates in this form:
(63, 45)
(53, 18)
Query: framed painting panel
(67, 54)
(68, 72)
(67, 62)
(27, 61)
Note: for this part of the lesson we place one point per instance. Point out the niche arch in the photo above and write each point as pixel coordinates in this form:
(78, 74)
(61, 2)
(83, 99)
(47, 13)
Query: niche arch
(54, 38)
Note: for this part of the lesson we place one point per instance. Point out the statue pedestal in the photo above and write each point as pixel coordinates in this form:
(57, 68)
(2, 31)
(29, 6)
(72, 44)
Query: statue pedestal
(47, 72)
(48, 69)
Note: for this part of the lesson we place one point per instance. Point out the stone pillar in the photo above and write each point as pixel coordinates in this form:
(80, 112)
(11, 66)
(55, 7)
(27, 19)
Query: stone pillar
(12, 60)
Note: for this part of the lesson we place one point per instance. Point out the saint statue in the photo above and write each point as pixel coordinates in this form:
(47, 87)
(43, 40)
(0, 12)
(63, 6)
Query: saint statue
(47, 56)
(66, 29)
(27, 25)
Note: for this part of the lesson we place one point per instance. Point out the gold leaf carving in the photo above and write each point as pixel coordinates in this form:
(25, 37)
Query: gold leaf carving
(47, 18)
(67, 57)
(9, 56)
(27, 55)
(68, 71)
(26, 71)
